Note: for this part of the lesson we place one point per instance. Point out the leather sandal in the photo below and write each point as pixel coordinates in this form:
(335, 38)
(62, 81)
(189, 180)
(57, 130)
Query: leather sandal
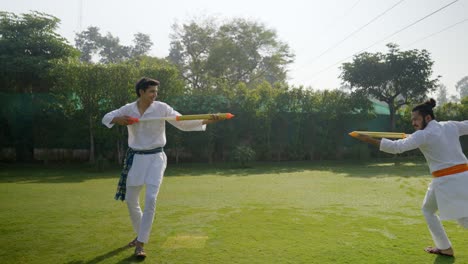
(434, 250)
(133, 243)
(140, 253)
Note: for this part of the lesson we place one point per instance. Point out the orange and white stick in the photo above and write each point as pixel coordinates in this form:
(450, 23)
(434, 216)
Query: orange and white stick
(221, 116)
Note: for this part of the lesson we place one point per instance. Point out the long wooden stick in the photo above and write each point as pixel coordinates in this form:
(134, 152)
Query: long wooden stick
(379, 134)
(220, 116)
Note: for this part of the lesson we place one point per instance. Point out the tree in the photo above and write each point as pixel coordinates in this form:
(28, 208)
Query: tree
(165, 72)
(81, 87)
(333, 111)
(243, 154)
(462, 87)
(142, 45)
(28, 44)
(91, 90)
(118, 90)
(200, 144)
(87, 42)
(442, 97)
(454, 98)
(108, 48)
(246, 51)
(111, 51)
(189, 50)
(396, 78)
(235, 51)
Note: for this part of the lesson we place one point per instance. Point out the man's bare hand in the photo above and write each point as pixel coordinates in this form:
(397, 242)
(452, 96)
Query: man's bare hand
(368, 139)
(123, 120)
(362, 137)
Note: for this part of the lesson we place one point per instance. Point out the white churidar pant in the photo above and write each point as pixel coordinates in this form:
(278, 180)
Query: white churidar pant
(142, 221)
(429, 210)
(434, 224)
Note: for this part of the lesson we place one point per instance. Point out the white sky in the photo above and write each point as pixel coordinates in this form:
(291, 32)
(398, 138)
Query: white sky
(309, 27)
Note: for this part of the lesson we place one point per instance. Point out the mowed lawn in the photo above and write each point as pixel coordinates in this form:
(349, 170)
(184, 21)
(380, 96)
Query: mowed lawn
(294, 212)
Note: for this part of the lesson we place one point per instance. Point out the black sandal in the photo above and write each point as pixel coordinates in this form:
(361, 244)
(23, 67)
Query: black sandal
(140, 253)
(133, 243)
(433, 250)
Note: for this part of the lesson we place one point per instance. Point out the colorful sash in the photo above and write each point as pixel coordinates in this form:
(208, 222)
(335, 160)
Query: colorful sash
(127, 164)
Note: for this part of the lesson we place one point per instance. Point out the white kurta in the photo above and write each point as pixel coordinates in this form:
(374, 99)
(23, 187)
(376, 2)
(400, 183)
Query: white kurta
(149, 169)
(440, 144)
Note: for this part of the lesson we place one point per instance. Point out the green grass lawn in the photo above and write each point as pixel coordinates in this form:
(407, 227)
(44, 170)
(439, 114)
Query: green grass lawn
(300, 212)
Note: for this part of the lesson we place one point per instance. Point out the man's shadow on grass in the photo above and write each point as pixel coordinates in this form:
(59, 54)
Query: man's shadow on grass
(444, 260)
(98, 259)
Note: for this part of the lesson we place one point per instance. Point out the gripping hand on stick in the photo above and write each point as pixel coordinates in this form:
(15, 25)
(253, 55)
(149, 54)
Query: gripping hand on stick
(124, 120)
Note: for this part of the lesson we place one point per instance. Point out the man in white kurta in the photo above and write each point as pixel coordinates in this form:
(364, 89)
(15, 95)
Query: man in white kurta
(146, 169)
(448, 192)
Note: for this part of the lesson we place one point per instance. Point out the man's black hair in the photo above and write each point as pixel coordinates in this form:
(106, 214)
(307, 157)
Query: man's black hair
(144, 83)
(426, 108)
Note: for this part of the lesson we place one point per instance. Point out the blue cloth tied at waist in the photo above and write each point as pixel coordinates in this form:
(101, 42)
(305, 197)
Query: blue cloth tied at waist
(127, 165)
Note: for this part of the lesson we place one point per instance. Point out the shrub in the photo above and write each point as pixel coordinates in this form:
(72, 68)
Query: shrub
(243, 154)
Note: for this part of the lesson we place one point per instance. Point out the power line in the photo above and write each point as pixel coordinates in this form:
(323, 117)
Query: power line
(391, 35)
(440, 31)
(410, 25)
(356, 31)
(346, 13)
(80, 15)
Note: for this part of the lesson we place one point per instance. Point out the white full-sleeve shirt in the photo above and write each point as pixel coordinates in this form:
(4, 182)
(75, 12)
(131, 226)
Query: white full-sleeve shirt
(440, 144)
(150, 135)
(149, 169)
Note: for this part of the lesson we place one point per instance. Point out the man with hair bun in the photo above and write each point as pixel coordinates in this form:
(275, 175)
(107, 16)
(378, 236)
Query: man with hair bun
(448, 192)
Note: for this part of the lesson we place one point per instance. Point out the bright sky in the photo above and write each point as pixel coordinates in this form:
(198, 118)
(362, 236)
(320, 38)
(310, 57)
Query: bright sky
(322, 34)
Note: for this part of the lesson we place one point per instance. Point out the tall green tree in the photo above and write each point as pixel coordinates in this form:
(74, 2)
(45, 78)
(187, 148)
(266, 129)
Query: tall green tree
(91, 90)
(118, 90)
(247, 51)
(442, 95)
(28, 44)
(142, 45)
(462, 87)
(81, 87)
(87, 43)
(108, 49)
(190, 47)
(396, 78)
(235, 51)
